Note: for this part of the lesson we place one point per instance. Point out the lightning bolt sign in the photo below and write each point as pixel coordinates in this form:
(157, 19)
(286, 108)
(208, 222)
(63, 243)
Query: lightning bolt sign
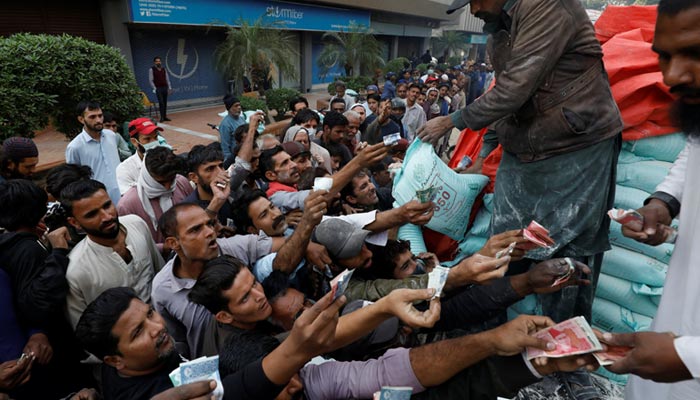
(181, 56)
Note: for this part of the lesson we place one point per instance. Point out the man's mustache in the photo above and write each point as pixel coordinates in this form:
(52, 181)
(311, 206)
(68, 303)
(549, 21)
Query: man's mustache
(685, 90)
(278, 221)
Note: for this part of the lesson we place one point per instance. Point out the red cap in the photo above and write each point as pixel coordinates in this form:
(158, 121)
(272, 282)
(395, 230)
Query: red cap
(143, 126)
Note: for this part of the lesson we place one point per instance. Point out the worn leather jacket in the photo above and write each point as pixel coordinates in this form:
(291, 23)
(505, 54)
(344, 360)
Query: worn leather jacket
(552, 94)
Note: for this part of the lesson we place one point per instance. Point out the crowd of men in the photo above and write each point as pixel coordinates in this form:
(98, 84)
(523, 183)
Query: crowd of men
(124, 265)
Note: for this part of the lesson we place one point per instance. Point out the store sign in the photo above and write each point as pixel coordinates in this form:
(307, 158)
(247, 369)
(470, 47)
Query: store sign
(216, 12)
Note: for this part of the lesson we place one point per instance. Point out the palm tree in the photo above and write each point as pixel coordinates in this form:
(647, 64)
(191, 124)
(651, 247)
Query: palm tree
(253, 49)
(450, 42)
(355, 49)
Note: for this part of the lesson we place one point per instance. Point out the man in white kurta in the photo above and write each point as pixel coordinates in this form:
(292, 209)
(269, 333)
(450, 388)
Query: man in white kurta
(671, 353)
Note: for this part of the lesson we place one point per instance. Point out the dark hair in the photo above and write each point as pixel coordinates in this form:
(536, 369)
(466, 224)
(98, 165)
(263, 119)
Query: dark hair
(337, 100)
(334, 149)
(378, 167)
(61, 176)
(78, 190)
(240, 131)
(218, 275)
(333, 119)
(156, 57)
(304, 116)
(201, 154)
(94, 329)
(86, 105)
(339, 84)
(415, 85)
(107, 116)
(293, 102)
(243, 348)
(240, 213)
(673, 7)
(167, 223)
(275, 285)
(306, 182)
(267, 163)
(402, 84)
(374, 96)
(162, 162)
(348, 189)
(23, 204)
(384, 258)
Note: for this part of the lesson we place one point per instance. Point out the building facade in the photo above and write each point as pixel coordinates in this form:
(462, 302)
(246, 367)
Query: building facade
(185, 33)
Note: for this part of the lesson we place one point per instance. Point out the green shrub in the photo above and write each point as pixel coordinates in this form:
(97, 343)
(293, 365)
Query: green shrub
(278, 99)
(43, 78)
(422, 68)
(356, 83)
(396, 65)
(443, 67)
(252, 104)
(454, 60)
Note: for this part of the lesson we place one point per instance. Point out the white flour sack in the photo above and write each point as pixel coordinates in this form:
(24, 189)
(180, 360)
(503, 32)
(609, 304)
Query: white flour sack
(455, 194)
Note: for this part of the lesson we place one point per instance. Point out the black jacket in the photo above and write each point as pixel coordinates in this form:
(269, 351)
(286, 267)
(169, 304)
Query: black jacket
(38, 277)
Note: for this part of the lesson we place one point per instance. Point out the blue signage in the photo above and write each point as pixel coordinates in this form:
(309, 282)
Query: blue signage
(186, 55)
(219, 12)
(334, 72)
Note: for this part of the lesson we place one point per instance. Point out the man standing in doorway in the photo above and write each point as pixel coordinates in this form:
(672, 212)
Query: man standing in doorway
(160, 83)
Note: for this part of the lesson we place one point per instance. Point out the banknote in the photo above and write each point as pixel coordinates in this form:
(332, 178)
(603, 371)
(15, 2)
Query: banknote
(392, 139)
(427, 194)
(565, 277)
(203, 368)
(572, 337)
(635, 221)
(507, 251)
(611, 355)
(538, 234)
(323, 183)
(394, 393)
(464, 163)
(340, 283)
(437, 278)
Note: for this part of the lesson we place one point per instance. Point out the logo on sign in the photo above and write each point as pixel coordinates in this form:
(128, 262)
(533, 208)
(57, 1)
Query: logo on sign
(183, 68)
(284, 13)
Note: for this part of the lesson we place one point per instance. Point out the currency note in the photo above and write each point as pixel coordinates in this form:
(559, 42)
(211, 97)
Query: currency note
(635, 221)
(340, 283)
(437, 278)
(612, 354)
(203, 368)
(394, 393)
(566, 275)
(572, 337)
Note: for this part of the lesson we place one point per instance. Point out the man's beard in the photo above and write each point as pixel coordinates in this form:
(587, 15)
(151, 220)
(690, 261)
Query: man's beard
(111, 234)
(687, 117)
(14, 174)
(487, 17)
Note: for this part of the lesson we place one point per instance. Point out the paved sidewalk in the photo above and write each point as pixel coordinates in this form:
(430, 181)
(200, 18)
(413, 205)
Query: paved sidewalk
(187, 129)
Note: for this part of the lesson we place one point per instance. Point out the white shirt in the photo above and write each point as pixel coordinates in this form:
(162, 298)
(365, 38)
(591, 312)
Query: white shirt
(94, 268)
(128, 173)
(679, 310)
(101, 156)
(413, 119)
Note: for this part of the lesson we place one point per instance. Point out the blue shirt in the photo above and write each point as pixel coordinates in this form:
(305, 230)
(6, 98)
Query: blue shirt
(226, 129)
(101, 156)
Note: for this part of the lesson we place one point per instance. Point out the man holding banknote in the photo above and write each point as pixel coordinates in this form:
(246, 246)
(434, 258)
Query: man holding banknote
(671, 354)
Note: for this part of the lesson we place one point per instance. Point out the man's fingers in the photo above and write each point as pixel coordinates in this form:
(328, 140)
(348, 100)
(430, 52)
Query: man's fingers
(619, 339)
(650, 223)
(622, 366)
(583, 268)
(191, 391)
(636, 235)
(538, 322)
